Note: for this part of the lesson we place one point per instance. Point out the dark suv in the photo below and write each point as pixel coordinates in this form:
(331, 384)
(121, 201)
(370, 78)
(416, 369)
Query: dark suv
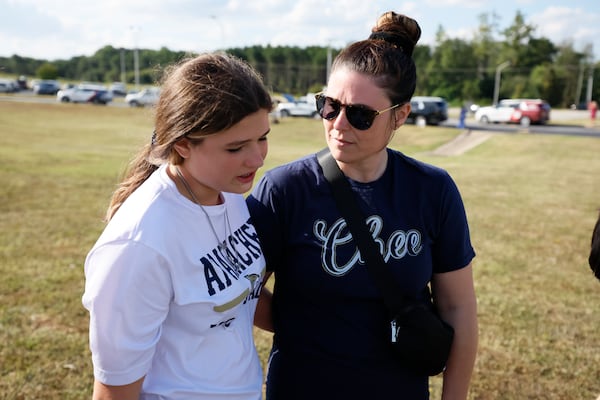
(427, 110)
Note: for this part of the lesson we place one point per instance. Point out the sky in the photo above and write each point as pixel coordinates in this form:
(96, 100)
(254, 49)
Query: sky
(61, 29)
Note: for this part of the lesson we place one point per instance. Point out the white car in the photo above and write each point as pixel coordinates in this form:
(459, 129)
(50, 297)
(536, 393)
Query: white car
(494, 114)
(7, 86)
(118, 89)
(145, 97)
(85, 93)
(305, 106)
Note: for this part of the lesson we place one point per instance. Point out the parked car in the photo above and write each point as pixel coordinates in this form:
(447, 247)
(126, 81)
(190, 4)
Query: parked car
(85, 93)
(516, 111)
(145, 97)
(427, 110)
(46, 87)
(8, 86)
(22, 82)
(118, 89)
(304, 106)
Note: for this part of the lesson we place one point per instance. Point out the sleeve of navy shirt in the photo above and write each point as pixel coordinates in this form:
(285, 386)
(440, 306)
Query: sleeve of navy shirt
(452, 248)
(266, 210)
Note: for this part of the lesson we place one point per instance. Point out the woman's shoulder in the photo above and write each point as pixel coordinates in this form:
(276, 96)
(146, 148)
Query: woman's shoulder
(301, 168)
(401, 160)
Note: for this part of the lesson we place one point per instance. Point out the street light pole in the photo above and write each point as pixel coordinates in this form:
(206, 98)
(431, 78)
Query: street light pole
(499, 69)
(123, 72)
(136, 57)
(590, 85)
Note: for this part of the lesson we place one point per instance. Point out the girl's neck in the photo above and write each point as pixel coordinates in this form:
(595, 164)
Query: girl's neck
(191, 189)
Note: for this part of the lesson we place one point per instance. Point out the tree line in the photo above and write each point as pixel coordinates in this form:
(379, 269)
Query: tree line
(526, 65)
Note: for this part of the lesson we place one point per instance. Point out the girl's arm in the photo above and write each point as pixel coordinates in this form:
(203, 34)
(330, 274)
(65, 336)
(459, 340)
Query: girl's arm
(125, 392)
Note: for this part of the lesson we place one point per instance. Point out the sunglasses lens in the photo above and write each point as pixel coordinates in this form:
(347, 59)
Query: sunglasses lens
(359, 117)
(327, 107)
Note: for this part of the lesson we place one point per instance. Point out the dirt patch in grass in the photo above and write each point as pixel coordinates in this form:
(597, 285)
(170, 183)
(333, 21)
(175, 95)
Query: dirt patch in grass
(462, 143)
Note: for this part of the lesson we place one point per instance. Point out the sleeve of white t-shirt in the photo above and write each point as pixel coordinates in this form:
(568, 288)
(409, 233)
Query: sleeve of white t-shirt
(127, 292)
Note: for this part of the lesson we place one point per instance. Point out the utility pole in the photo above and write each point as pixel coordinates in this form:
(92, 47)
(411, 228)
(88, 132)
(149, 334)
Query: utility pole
(579, 83)
(136, 67)
(136, 56)
(123, 74)
(499, 69)
(590, 85)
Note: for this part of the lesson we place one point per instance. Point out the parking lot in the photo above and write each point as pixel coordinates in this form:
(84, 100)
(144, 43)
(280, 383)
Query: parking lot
(562, 121)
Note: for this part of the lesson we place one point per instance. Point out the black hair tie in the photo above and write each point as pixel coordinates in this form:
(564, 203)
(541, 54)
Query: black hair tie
(393, 39)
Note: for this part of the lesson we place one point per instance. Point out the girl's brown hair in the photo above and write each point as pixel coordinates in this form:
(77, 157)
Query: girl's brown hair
(200, 96)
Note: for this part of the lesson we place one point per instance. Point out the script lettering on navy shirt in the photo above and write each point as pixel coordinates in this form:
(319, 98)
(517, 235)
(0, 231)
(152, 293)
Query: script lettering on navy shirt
(399, 244)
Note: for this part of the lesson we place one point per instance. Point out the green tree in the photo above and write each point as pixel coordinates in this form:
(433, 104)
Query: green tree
(452, 64)
(570, 67)
(517, 37)
(422, 56)
(539, 51)
(485, 52)
(548, 82)
(47, 71)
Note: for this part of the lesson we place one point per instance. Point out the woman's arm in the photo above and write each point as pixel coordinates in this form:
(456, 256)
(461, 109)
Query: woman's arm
(454, 296)
(125, 392)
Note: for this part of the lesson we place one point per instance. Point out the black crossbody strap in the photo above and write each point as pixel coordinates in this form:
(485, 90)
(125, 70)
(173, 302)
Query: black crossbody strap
(348, 207)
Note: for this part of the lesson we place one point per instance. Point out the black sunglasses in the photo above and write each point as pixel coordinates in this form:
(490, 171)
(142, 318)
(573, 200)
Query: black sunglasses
(361, 117)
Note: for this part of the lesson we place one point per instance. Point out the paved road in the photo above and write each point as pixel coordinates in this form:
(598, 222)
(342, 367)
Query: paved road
(562, 123)
(553, 129)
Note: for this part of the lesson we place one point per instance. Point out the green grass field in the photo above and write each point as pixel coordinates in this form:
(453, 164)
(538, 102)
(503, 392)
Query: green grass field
(532, 201)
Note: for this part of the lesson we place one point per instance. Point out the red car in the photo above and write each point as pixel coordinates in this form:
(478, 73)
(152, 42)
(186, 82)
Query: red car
(519, 111)
(531, 112)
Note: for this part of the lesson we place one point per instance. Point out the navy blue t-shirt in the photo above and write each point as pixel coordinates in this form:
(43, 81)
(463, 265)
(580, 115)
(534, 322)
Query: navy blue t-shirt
(331, 326)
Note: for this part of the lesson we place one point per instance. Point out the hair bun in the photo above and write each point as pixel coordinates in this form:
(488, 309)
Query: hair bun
(398, 30)
(394, 39)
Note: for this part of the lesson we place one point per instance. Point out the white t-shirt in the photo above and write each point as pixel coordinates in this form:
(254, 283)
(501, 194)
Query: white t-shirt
(166, 303)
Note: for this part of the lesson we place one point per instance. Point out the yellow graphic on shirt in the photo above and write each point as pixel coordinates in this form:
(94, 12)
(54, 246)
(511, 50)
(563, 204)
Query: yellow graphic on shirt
(254, 292)
(232, 303)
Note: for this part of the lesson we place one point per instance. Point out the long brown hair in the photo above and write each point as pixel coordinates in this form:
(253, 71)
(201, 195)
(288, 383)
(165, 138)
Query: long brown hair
(200, 96)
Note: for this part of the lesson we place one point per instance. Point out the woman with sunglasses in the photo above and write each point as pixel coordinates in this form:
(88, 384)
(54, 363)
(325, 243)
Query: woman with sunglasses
(331, 327)
(173, 281)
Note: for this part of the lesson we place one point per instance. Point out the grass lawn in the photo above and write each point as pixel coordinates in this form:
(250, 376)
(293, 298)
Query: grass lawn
(532, 201)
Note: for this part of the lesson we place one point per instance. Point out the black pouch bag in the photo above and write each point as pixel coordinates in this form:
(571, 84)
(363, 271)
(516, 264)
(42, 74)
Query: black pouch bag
(421, 339)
